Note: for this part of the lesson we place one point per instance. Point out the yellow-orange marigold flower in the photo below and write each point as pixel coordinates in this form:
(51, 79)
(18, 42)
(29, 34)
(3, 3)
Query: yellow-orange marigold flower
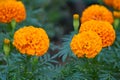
(108, 2)
(87, 44)
(102, 28)
(10, 10)
(97, 12)
(32, 41)
(116, 4)
(116, 14)
(8, 0)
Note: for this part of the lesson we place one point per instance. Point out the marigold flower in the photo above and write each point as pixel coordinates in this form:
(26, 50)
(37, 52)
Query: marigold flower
(97, 12)
(116, 4)
(87, 44)
(8, 0)
(103, 29)
(116, 14)
(108, 2)
(32, 41)
(10, 10)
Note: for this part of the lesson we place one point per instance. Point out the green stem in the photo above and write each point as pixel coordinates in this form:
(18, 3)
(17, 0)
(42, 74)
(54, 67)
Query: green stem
(35, 60)
(7, 66)
(76, 25)
(12, 26)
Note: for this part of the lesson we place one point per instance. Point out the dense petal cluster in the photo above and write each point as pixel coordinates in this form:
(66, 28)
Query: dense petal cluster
(32, 41)
(103, 29)
(8, 0)
(116, 4)
(108, 2)
(11, 9)
(87, 44)
(97, 12)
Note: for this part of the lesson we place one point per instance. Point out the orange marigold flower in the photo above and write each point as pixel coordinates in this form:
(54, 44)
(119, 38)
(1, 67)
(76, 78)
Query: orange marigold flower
(116, 4)
(32, 41)
(97, 12)
(116, 14)
(103, 29)
(87, 44)
(11, 9)
(8, 0)
(108, 2)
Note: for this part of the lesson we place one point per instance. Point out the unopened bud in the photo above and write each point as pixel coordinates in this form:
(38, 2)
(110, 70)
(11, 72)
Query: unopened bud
(76, 22)
(76, 16)
(6, 41)
(6, 46)
(116, 14)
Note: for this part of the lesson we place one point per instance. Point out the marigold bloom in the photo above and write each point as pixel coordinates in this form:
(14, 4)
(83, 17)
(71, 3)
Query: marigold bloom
(10, 10)
(116, 14)
(87, 44)
(32, 41)
(103, 29)
(8, 0)
(108, 2)
(97, 12)
(116, 4)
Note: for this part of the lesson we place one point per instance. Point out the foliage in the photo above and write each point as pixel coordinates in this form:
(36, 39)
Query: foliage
(103, 67)
(22, 67)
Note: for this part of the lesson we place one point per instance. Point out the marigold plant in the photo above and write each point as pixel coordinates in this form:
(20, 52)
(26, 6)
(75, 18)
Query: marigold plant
(97, 12)
(87, 44)
(108, 2)
(103, 29)
(116, 4)
(10, 10)
(32, 41)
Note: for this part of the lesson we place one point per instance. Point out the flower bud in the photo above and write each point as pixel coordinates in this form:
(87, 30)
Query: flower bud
(76, 22)
(6, 46)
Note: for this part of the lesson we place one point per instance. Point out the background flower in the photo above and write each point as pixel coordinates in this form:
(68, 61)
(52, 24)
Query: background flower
(108, 2)
(10, 10)
(97, 12)
(32, 41)
(86, 43)
(116, 4)
(103, 29)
